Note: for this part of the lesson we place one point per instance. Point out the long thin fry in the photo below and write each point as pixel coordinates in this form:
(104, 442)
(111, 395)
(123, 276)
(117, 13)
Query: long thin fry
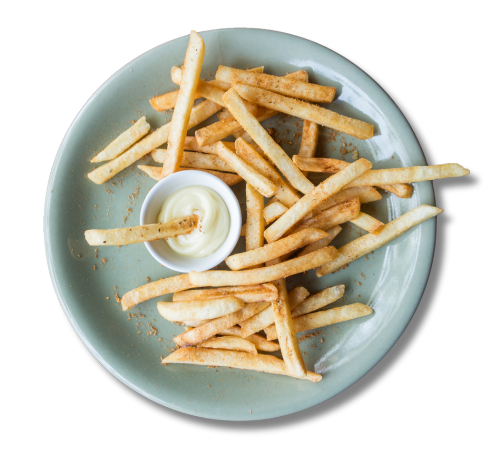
(365, 244)
(263, 275)
(198, 309)
(124, 141)
(315, 197)
(401, 190)
(233, 359)
(261, 343)
(254, 236)
(309, 141)
(332, 233)
(363, 193)
(273, 211)
(368, 223)
(191, 144)
(228, 179)
(232, 343)
(195, 160)
(319, 300)
(249, 294)
(143, 233)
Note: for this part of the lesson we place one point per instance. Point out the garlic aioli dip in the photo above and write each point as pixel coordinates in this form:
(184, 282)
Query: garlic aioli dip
(213, 225)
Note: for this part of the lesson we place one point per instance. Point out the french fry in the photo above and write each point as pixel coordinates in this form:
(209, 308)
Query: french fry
(254, 235)
(285, 193)
(369, 242)
(319, 300)
(195, 160)
(184, 104)
(143, 233)
(228, 179)
(364, 193)
(191, 144)
(368, 223)
(287, 337)
(315, 197)
(309, 141)
(321, 165)
(103, 173)
(262, 184)
(124, 141)
(265, 141)
(263, 275)
(262, 114)
(261, 343)
(212, 328)
(304, 110)
(332, 233)
(266, 317)
(275, 249)
(401, 190)
(249, 294)
(154, 289)
(233, 359)
(232, 343)
(324, 318)
(273, 211)
(281, 85)
(199, 309)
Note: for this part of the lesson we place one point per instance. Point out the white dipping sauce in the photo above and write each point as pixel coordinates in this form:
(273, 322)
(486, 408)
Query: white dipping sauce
(213, 226)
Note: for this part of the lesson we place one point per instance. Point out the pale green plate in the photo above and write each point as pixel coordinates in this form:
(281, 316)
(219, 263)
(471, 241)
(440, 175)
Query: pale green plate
(391, 281)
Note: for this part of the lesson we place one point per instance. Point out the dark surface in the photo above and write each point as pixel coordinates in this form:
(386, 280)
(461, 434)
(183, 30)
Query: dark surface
(415, 377)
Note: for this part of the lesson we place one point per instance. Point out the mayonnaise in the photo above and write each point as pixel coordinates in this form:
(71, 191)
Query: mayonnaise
(213, 226)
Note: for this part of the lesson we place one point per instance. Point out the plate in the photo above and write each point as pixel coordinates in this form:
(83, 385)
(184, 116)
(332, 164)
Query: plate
(130, 345)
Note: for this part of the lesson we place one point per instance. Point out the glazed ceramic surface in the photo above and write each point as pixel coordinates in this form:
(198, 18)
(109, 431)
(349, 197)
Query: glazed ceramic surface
(131, 345)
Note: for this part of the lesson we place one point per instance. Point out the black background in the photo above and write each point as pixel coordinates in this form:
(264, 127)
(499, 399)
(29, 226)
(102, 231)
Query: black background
(422, 375)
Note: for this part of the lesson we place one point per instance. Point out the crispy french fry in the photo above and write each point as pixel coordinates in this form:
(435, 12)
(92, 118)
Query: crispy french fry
(281, 85)
(228, 179)
(275, 249)
(233, 359)
(286, 333)
(232, 343)
(315, 197)
(261, 343)
(304, 110)
(285, 193)
(332, 233)
(154, 289)
(265, 141)
(401, 190)
(324, 318)
(309, 141)
(180, 118)
(249, 294)
(262, 184)
(203, 332)
(364, 193)
(319, 300)
(321, 165)
(195, 160)
(263, 275)
(254, 235)
(369, 242)
(262, 114)
(368, 223)
(191, 144)
(124, 141)
(199, 309)
(273, 211)
(266, 317)
(143, 233)
(103, 173)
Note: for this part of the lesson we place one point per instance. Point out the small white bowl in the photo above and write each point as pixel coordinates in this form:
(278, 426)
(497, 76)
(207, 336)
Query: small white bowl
(151, 207)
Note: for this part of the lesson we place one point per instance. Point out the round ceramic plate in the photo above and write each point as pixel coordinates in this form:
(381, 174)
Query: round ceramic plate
(130, 345)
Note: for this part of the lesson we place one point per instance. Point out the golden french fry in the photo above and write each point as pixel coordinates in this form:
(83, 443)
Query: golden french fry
(304, 110)
(180, 118)
(309, 141)
(233, 359)
(143, 233)
(265, 141)
(249, 294)
(103, 173)
(324, 318)
(254, 235)
(203, 332)
(285, 193)
(191, 144)
(263, 275)
(199, 309)
(401, 190)
(124, 141)
(262, 114)
(364, 193)
(368, 223)
(266, 317)
(281, 85)
(321, 165)
(154, 289)
(195, 160)
(273, 211)
(332, 233)
(232, 343)
(319, 300)
(228, 179)
(315, 197)
(261, 343)
(262, 184)
(369, 242)
(275, 249)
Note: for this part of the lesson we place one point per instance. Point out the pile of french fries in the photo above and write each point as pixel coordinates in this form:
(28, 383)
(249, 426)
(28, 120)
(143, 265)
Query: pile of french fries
(226, 311)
